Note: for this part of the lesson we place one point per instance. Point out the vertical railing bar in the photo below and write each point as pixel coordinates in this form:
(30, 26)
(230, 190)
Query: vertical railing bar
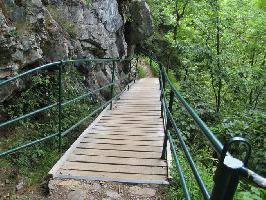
(112, 86)
(129, 73)
(167, 121)
(60, 108)
(136, 69)
(178, 166)
(189, 158)
(170, 107)
(162, 91)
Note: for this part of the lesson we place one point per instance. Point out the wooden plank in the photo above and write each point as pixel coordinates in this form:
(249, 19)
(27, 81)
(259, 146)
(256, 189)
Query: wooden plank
(125, 120)
(136, 113)
(128, 129)
(116, 160)
(116, 153)
(130, 126)
(125, 128)
(112, 176)
(120, 147)
(138, 99)
(130, 117)
(125, 137)
(127, 169)
(138, 106)
(130, 121)
(122, 142)
(127, 132)
(127, 108)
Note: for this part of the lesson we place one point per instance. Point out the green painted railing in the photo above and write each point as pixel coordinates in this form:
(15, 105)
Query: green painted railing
(229, 170)
(60, 104)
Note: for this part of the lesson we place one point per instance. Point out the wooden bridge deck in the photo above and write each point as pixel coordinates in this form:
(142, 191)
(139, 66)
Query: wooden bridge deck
(123, 144)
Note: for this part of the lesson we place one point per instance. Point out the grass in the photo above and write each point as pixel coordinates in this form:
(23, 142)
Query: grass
(175, 190)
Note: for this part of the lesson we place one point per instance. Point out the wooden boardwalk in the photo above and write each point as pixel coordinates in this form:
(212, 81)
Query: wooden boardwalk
(123, 144)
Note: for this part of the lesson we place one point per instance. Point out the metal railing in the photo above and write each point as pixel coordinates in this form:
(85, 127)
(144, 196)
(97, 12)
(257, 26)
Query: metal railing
(229, 170)
(60, 104)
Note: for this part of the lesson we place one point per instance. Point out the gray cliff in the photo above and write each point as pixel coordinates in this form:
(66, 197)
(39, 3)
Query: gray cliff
(34, 32)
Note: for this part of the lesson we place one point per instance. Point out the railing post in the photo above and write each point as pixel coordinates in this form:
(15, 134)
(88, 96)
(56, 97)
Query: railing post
(129, 74)
(60, 108)
(168, 124)
(112, 86)
(135, 76)
(226, 177)
(162, 87)
(170, 107)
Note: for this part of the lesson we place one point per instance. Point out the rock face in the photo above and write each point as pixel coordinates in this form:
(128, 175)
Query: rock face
(33, 32)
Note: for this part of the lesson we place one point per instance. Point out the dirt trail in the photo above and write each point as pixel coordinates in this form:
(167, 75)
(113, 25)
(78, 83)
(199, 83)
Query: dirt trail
(147, 68)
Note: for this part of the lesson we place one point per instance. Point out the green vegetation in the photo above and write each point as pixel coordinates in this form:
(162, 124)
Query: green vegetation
(141, 72)
(153, 66)
(214, 51)
(34, 162)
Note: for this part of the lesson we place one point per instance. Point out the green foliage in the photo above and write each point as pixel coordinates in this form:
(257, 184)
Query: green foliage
(154, 67)
(215, 52)
(175, 189)
(34, 162)
(250, 193)
(141, 72)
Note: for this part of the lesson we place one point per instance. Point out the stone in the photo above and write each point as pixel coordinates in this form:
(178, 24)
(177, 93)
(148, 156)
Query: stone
(143, 192)
(109, 15)
(140, 26)
(113, 194)
(95, 187)
(21, 184)
(76, 195)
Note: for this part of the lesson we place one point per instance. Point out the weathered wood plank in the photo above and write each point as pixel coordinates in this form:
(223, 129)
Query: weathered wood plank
(135, 178)
(128, 169)
(120, 147)
(122, 136)
(116, 160)
(117, 153)
(122, 142)
(127, 132)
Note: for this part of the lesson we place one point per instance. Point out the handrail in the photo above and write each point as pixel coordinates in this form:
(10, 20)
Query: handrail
(227, 174)
(188, 156)
(208, 133)
(46, 66)
(60, 104)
